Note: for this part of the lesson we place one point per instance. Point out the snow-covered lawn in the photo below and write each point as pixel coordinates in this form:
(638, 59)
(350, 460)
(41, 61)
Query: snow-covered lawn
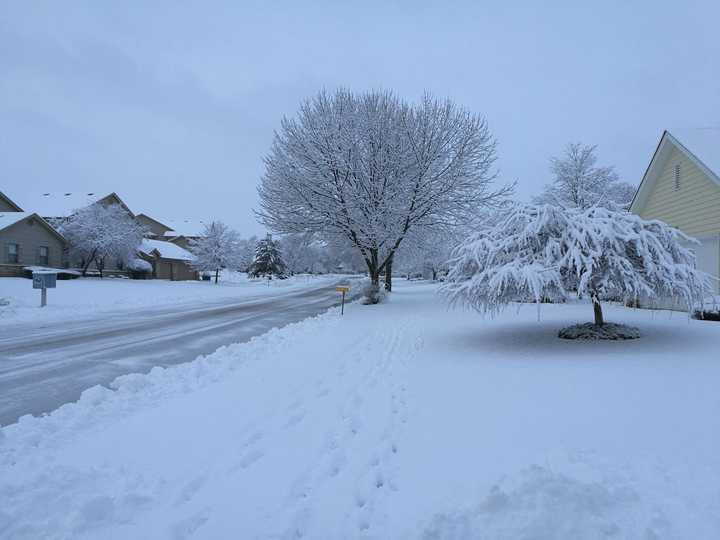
(88, 297)
(396, 421)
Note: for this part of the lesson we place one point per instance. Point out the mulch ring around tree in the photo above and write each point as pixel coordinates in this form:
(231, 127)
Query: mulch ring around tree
(591, 331)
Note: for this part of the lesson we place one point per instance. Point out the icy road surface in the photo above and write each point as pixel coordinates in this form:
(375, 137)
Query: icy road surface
(48, 365)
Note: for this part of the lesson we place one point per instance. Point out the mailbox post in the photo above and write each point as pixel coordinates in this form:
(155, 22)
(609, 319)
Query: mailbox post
(44, 281)
(342, 290)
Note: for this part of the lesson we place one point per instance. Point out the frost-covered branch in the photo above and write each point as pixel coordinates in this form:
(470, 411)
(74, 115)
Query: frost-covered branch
(371, 168)
(541, 252)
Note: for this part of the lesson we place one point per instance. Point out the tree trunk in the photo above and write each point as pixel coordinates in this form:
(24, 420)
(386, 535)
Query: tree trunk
(598, 312)
(86, 263)
(217, 271)
(100, 265)
(388, 275)
(434, 275)
(372, 264)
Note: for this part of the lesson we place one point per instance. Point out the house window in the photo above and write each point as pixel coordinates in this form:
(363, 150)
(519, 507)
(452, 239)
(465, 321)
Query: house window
(12, 253)
(43, 256)
(676, 174)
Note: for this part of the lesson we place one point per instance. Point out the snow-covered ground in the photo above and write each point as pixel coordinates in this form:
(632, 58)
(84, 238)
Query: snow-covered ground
(89, 297)
(397, 421)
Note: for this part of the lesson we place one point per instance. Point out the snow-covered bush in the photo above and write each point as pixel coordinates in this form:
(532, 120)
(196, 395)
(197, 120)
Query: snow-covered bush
(139, 268)
(372, 293)
(707, 314)
(547, 252)
(139, 265)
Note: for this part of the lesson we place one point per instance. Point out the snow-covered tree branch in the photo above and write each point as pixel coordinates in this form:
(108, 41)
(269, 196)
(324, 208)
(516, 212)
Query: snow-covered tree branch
(579, 183)
(541, 252)
(97, 232)
(371, 168)
(268, 260)
(217, 248)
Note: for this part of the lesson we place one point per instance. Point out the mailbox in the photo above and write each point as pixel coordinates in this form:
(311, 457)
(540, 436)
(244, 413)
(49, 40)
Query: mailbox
(44, 280)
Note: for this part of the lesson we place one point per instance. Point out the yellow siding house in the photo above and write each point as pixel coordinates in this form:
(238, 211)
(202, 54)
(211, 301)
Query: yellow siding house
(681, 187)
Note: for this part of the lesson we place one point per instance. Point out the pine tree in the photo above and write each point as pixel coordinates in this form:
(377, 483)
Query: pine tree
(268, 260)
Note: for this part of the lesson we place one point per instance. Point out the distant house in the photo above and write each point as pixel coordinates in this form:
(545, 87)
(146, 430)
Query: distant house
(156, 229)
(184, 231)
(57, 206)
(178, 231)
(7, 204)
(169, 261)
(26, 239)
(165, 248)
(681, 187)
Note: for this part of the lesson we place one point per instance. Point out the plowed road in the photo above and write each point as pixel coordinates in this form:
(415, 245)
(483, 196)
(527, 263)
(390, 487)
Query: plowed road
(44, 367)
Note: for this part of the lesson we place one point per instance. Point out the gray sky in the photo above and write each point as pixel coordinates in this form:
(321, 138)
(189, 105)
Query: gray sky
(173, 104)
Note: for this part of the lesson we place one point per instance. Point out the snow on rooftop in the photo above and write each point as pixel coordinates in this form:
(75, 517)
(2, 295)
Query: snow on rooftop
(184, 227)
(703, 143)
(60, 204)
(167, 250)
(10, 218)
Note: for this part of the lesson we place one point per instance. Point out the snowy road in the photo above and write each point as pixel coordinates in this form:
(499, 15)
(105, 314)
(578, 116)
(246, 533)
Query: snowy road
(46, 366)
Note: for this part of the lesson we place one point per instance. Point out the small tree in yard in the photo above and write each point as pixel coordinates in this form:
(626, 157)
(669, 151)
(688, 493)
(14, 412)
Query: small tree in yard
(535, 253)
(97, 232)
(579, 183)
(268, 260)
(217, 248)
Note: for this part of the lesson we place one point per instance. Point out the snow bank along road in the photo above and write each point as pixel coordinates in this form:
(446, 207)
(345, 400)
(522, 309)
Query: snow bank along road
(399, 421)
(44, 366)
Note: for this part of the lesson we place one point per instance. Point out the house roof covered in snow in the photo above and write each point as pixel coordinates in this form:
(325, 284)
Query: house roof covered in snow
(189, 228)
(63, 204)
(166, 250)
(11, 218)
(12, 204)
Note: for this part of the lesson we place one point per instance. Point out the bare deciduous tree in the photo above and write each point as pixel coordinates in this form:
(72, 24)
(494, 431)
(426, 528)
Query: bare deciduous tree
(370, 168)
(579, 183)
(97, 232)
(217, 248)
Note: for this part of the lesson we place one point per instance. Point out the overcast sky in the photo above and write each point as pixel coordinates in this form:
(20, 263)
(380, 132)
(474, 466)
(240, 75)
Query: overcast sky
(173, 104)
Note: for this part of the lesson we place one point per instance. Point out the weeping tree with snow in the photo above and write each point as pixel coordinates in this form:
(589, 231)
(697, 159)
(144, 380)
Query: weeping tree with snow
(268, 261)
(370, 168)
(217, 248)
(98, 232)
(578, 182)
(534, 253)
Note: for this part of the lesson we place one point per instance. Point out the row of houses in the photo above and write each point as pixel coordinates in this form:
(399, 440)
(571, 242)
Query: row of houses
(681, 186)
(29, 238)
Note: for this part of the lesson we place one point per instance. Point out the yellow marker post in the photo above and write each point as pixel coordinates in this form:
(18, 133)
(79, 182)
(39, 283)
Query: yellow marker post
(343, 290)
